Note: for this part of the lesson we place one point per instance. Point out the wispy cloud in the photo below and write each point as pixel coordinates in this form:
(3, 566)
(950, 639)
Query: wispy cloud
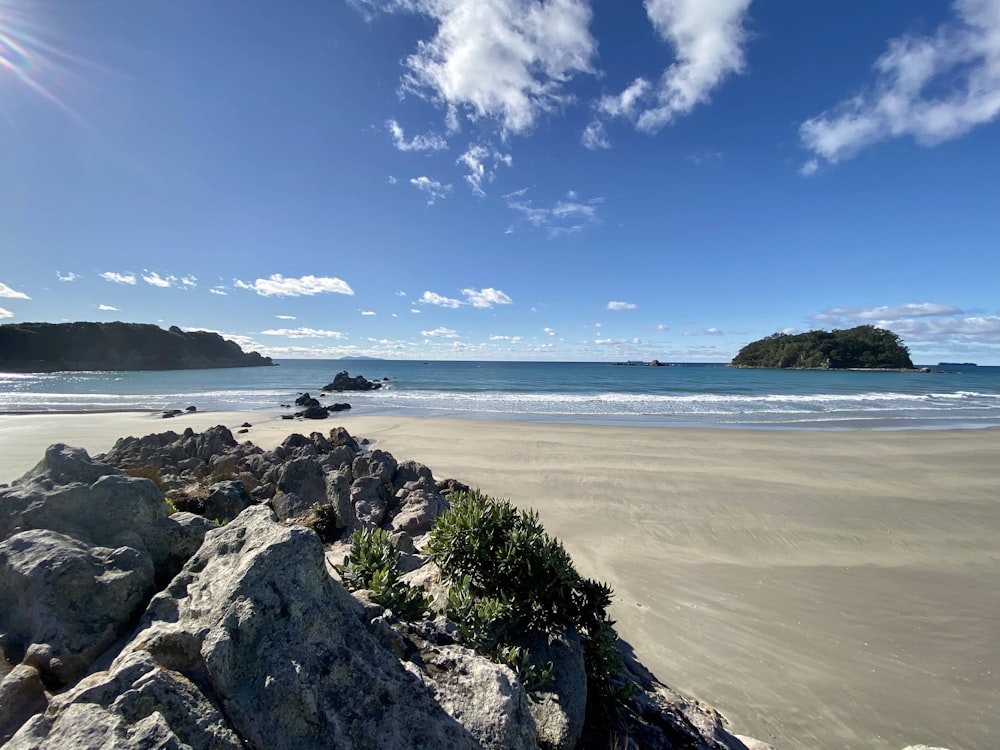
(435, 190)
(189, 281)
(888, 313)
(933, 88)
(277, 285)
(475, 160)
(285, 317)
(154, 279)
(66, 276)
(5, 313)
(621, 306)
(566, 216)
(550, 331)
(368, 313)
(220, 290)
(6, 291)
(704, 332)
(486, 297)
(304, 333)
(445, 333)
(428, 142)
(107, 308)
(505, 61)
(511, 339)
(433, 298)
(707, 39)
(119, 278)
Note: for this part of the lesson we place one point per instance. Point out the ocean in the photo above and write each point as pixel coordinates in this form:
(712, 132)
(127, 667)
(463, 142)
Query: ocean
(695, 394)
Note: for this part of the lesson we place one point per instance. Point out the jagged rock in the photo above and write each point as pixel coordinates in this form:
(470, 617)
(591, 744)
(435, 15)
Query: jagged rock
(301, 484)
(560, 713)
(62, 602)
(305, 400)
(342, 381)
(378, 464)
(411, 471)
(22, 695)
(226, 500)
(339, 436)
(338, 494)
(368, 501)
(448, 486)
(418, 511)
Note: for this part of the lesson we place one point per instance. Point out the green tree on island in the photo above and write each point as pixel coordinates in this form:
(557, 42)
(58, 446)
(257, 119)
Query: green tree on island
(864, 347)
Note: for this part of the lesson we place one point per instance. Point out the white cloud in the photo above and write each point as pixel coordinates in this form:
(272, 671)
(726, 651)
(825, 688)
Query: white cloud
(66, 276)
(839, 315)
(368, 312)
(428, 142)
(221, 291)
(446, 333)
(810, 168)
(550, 331)
(486, 297)
(4, 313)
(933, 88)
(506, 60)
(704, 332)
(415, 311)
(512, 339)
(107, 308)
(303, 333)
(595, 136)
(392, 180)
(474, 160)
(433, 188)
(285, 317)
(191, 281)
(154, 279)
(621, 306)
(563, 217)
(119, 278)
(277, 285)
(708, 40)
(6, 291)
(433, 298)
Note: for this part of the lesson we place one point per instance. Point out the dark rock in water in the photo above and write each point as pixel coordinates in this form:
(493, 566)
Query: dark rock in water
(171, 413)
(313, 412)
(338, 407)
(192, 408)
(306, 400)
(342, 381)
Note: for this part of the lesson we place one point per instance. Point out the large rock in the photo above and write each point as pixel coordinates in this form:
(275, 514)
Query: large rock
(62, 602)
(561, 712)
(301, 484)
(254, 626)
(22, 695)
(342, 381)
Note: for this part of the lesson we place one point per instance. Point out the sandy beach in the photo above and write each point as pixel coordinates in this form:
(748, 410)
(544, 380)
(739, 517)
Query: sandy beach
(822, 590)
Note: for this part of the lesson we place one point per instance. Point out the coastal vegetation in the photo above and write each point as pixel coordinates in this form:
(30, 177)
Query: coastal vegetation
(862, 347)
(59, 347)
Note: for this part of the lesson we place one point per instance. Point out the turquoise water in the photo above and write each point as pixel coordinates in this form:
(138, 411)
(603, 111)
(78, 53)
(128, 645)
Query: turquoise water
(685, 394)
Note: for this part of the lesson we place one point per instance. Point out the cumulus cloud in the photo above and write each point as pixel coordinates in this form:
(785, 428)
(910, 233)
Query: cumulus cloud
(708, 40)
(505, 60)
(475, 160)
(303, 333)
(445, 333)
(66, 276)
(5, 313)
(277, 285)
(107, 308)
(189, 281)
(621, 306)
(486, 297)
(932, 88)
(154, 279)
(550, 331)
(595, 136)
(512, 339)
(119, 278)
(428, 142)
(433, 298)
(6, 291)
(368, 312)
(432, 188)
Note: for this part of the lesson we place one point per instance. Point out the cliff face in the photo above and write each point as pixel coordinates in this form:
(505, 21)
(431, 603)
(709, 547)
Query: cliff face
(52, 347)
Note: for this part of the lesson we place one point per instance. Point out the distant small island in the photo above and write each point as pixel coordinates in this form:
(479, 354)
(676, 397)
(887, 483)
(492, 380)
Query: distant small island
(862, 348)
(56, 347)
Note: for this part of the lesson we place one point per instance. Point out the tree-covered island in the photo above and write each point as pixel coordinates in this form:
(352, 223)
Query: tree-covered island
(864, 347)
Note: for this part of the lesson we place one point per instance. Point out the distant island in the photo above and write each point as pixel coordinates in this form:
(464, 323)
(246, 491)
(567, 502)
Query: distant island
(55, 347)
(862, 348)
(957, 364)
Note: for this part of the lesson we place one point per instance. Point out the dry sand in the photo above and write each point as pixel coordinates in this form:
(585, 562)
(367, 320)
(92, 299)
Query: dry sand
(822, 590)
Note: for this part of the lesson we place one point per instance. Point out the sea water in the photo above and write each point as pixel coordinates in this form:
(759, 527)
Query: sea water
(598, 393)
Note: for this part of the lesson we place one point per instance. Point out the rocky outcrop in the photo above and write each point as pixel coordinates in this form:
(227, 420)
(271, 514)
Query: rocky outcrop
(251, 641)
(342, 381)
(52, 347)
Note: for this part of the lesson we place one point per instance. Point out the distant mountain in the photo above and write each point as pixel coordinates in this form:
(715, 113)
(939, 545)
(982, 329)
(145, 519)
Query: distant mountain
(52, 347)
(862, 347)
(361, 356)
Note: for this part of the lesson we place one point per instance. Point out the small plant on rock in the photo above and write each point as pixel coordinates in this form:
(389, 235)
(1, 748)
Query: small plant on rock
(373, 564)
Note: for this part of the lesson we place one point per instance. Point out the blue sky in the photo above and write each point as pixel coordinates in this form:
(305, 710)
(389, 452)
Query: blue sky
(505, 179)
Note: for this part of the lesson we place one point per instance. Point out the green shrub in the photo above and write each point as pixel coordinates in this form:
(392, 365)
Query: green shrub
(374, 564)
(510, 578)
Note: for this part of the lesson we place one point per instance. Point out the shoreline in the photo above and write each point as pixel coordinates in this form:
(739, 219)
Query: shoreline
(822, 589)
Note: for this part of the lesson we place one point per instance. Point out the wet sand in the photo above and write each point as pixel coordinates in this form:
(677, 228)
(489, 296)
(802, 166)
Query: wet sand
(822, 590)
